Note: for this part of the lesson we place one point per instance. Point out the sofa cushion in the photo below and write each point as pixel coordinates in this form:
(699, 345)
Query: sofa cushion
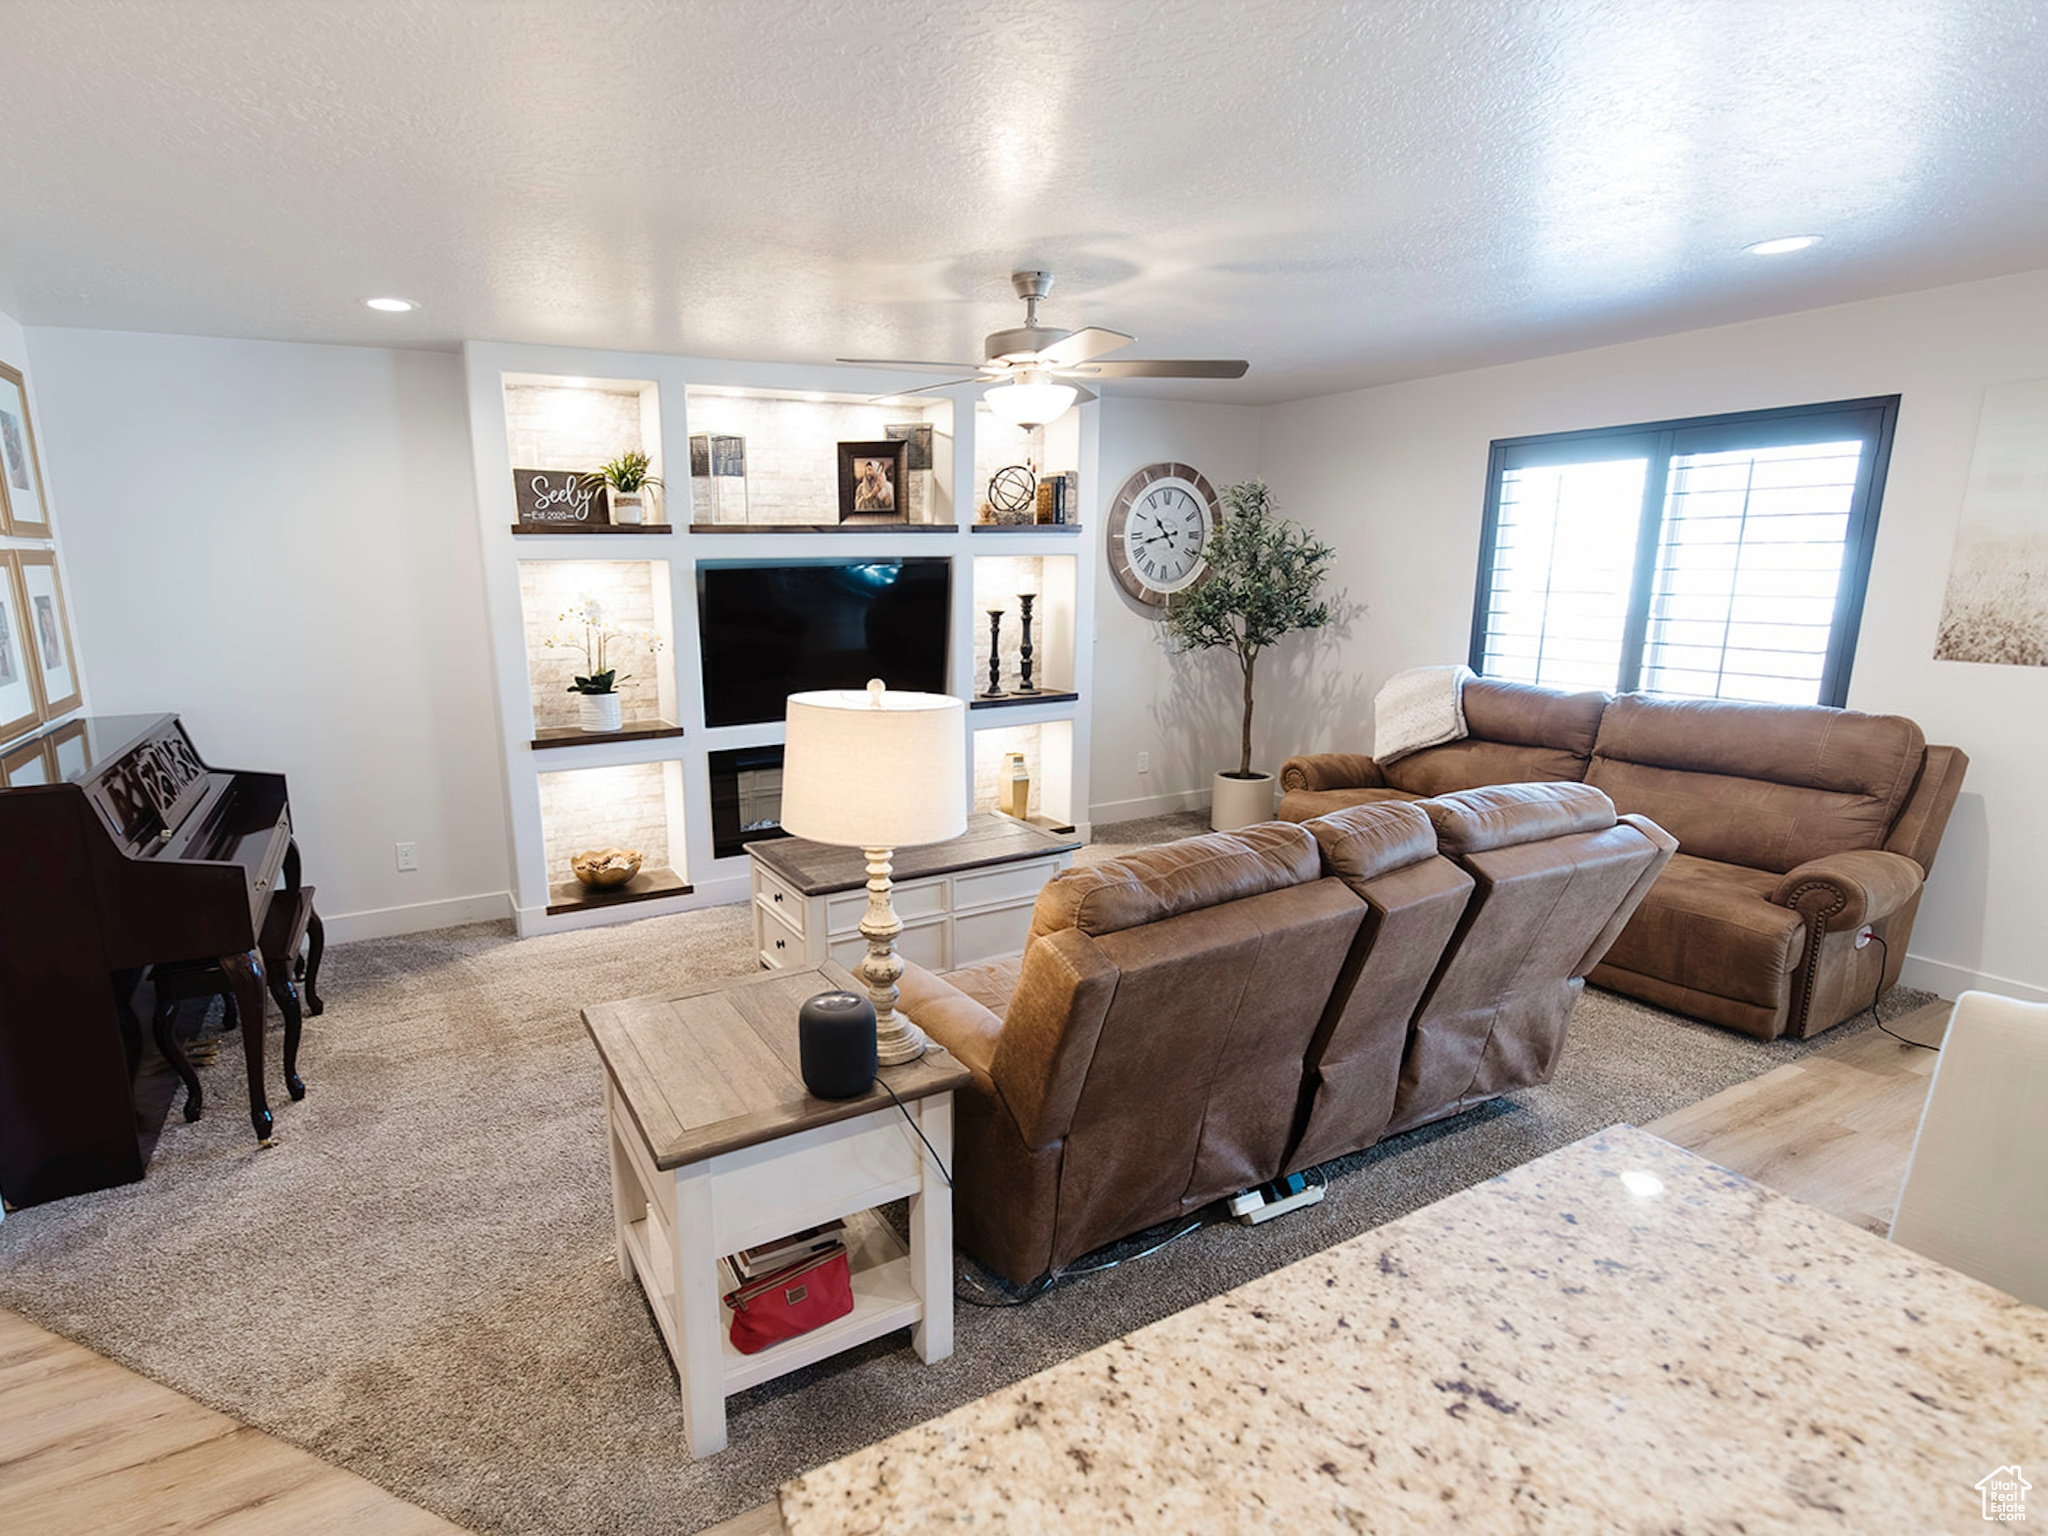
(1307, 804)
(1470, 763)
(1196, 872)
(1367, 841)
(1764, 785)
(1711, 927)
(1525, 716)
(1476, 820)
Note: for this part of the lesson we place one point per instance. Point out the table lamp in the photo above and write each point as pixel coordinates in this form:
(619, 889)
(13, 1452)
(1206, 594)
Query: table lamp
(877, 771)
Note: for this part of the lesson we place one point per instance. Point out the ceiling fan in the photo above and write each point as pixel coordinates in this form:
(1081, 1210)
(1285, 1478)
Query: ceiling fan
(1029, 361)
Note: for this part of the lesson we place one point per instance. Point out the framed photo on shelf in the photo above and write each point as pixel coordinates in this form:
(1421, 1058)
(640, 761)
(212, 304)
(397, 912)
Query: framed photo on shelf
(20, 705)
(24, 508)
(54, 668)
(871, 482)
(27, 764)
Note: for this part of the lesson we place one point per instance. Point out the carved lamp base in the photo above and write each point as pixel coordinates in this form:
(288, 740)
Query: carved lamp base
(897, 1040)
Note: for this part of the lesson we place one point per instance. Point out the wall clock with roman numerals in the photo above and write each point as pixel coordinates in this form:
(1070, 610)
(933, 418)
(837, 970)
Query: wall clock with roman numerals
(1160, 526)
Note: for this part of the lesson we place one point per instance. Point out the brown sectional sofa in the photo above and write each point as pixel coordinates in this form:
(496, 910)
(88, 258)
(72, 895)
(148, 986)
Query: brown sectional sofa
(1797, 827)
(1201, 1017)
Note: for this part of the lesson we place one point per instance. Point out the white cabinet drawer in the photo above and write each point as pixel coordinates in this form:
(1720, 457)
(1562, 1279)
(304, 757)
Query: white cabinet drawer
(925, 943)
(1005, 884)
(921, 898)
(778, 899)
(993, 935)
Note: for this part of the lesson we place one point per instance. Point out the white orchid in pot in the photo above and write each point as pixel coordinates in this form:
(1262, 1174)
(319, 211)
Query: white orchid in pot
(598, 684)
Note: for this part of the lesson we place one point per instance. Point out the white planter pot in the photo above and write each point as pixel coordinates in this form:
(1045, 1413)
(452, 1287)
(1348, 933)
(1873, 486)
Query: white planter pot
(628, 507)
(600, 711)
(1241, 802)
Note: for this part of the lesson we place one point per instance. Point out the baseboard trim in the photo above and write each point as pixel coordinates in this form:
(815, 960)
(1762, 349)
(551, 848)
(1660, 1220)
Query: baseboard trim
(1939, 976)
(1149, 805)
(420, 917)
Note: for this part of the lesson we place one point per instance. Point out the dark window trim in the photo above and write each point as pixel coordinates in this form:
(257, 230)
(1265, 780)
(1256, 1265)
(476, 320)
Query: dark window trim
(1658, 438)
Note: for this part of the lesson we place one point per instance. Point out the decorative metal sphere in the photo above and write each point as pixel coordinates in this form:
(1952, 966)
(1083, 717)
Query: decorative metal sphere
(1013, 489)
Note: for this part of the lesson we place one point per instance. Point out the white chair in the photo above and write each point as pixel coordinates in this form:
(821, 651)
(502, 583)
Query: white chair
(1976, 1190)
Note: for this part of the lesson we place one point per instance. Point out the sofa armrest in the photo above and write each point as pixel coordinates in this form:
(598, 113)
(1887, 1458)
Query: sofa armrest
(1331, 770)
(1842, 891)
(959, 1023)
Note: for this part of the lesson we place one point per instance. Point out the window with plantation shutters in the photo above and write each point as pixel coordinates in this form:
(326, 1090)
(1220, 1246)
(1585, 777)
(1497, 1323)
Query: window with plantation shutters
(1722, 557)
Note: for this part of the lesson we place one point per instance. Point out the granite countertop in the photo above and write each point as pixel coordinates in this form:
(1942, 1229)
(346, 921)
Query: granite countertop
(1620, 1335)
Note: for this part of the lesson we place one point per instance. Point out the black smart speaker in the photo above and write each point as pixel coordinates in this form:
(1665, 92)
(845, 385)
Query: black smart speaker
(835, 1044)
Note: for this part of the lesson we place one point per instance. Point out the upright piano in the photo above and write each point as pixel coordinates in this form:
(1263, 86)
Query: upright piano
(144, 854)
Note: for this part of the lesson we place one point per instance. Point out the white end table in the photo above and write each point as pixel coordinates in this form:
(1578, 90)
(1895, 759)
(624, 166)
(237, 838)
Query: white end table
(716, 1146)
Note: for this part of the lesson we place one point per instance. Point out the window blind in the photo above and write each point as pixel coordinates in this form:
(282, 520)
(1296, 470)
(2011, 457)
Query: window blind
(1721, 557)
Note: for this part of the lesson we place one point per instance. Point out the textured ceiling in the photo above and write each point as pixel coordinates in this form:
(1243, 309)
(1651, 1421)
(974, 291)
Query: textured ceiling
(1342, 193)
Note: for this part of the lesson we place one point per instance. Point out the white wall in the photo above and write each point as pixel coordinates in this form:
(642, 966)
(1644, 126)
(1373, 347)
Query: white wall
(1183, 710)
(1396, 478)
(278, 542)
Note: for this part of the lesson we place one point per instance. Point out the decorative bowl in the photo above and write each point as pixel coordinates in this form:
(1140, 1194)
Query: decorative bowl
(604, 867)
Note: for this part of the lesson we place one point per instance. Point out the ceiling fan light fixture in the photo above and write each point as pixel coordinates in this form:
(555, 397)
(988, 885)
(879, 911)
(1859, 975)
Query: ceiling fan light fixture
(1030, 403)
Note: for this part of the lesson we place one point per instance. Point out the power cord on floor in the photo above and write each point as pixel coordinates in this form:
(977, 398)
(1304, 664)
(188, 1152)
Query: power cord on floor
(1044, 1283)
(1879, 1018)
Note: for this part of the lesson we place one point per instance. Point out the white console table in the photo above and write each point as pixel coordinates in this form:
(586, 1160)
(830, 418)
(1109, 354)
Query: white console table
(961, 902)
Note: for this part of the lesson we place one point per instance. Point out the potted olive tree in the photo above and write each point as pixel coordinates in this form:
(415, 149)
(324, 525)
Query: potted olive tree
(1265, 572)
(627, 486)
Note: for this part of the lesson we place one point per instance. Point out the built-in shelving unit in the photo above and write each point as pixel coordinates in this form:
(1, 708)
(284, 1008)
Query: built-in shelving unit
(647, 786)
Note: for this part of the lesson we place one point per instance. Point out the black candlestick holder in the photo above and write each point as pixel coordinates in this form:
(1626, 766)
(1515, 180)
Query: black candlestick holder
(995, 656)
(1025, 600)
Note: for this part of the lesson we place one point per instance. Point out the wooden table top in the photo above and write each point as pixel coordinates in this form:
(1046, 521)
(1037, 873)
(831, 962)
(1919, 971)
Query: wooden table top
(714, 1068)
(823, 869)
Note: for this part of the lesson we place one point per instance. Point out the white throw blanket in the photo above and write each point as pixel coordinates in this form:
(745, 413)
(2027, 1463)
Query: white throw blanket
(1422, 707)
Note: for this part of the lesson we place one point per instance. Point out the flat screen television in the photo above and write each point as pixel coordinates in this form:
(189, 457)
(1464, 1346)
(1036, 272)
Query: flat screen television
(772, 630)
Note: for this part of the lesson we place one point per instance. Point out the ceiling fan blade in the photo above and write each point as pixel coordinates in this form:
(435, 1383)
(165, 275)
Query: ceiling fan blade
(897, 394)
(1166, 368)
(904, 362)
(1083, 396)
(1090, 341)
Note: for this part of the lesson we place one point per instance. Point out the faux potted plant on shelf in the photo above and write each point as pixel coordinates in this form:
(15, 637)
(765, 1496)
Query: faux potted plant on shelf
(627, 486)
(1264, 583)
(599, 686)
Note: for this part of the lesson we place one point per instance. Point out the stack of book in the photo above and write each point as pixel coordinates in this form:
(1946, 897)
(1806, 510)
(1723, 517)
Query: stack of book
(797, 1248)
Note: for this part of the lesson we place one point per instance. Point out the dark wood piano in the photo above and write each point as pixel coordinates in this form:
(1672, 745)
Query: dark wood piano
(145, 855)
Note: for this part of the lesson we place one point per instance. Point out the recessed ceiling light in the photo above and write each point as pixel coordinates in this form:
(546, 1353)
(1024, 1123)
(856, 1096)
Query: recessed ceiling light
(391, 306)
(1784, 245)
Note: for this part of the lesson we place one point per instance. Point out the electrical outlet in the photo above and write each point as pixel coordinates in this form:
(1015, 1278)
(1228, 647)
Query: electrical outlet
(1144, 762)
(408, 857)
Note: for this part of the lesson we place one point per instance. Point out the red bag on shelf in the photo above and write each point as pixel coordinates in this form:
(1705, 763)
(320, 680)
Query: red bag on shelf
(806, 1295)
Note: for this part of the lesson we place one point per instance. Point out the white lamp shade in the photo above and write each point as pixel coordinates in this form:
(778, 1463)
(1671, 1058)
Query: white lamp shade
(1030, 405)
(875, 769)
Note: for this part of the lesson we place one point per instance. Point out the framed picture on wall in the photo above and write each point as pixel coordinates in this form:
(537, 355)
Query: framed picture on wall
(55, 668)
(20, 705)
(25, 511)
(27, 764)
(871, 482)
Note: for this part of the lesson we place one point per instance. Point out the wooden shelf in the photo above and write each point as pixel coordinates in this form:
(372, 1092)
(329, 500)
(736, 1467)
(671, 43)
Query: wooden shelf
(556, 531)
(1024, 527)
(824, 528)
(632, 730)
(648, 885)
(1019, 700)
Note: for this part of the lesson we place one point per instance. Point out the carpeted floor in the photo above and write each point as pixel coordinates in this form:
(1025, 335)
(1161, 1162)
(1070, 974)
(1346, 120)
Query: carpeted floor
(417, 1282)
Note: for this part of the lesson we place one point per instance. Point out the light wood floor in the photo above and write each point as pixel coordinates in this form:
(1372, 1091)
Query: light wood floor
(88, 1446)
(1834, 1129)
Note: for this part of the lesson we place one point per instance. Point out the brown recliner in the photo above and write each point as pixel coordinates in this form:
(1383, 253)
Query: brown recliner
(1799, 826)
(1149, 1059)
(1556, 874)
(1414, 896)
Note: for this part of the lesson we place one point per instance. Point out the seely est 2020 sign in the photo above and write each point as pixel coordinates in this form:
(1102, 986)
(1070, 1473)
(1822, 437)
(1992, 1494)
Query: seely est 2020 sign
(557, 498)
